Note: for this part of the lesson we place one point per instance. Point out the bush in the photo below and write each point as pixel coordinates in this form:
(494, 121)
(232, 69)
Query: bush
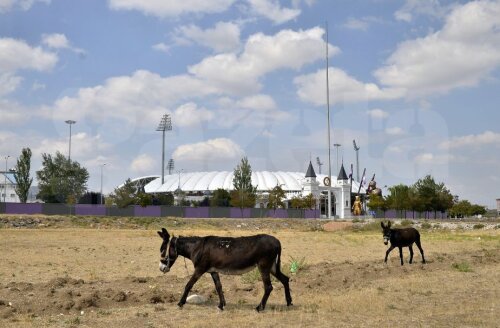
(297, 265)
(406, 223)
(426, 225)
(478, 226)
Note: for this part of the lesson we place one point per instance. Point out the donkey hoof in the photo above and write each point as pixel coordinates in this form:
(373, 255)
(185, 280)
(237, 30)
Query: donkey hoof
(180, 305)
(259, 308)
(220, 307)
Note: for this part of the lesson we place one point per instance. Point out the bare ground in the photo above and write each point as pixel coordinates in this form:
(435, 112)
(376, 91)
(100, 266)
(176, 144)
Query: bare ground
(75, 277)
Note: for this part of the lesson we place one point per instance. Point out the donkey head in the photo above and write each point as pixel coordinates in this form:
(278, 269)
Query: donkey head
(168, 251)
(386, 231)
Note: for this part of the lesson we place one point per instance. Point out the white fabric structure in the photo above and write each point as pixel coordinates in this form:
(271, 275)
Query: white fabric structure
(291, 182)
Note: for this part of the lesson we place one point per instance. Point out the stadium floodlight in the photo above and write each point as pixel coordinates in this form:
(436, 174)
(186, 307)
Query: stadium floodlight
(70, 123)
(318, 161)
(356, 149)
(101, 198)
(170, 166)
(165, 125)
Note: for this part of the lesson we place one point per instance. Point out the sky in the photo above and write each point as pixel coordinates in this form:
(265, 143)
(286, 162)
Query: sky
(415, 83)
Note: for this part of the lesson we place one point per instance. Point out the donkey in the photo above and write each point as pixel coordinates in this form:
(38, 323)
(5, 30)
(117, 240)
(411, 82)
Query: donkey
(226, 255)
(400, 238)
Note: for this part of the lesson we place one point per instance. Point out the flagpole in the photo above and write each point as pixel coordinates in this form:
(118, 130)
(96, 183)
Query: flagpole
(328, 120)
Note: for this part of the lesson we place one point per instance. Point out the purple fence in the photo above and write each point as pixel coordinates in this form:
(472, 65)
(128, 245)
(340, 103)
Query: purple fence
(147, 211)
(19, 208)
(87, 209)
(196, 212)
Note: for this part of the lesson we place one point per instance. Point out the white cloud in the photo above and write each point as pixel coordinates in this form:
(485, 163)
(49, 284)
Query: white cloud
(59, 41)
(83, 146)
(478, 140)
(140, 98)
(162, 47)
(377, 113)
(430, 158)
(142, 164)
(17, 54)
(343, 88)
(224, 36)
(7, 5)
(418, 7)
(210, 150)
(8, 83)
(172, 8)
(189, 114)
(257, 102)
(463, 53)
(362, 23)
(395, 131)
(262, 54)
(11, 112)
(272, 10)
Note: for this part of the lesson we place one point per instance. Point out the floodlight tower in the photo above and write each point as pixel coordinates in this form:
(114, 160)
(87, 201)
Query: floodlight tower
(319, 164)
(165, 125)
(356, 148)
(170, 166)
(70, 123)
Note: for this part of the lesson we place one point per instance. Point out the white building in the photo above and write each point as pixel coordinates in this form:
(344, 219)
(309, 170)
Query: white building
(197, 185)
(8, 188)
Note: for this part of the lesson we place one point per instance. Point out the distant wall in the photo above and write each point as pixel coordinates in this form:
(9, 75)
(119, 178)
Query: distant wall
(155, 211)
(393, 214)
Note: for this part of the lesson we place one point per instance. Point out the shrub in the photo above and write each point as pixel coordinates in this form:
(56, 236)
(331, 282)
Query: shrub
(478, 226)
(297, 265)
(426, 225)
(406, 223)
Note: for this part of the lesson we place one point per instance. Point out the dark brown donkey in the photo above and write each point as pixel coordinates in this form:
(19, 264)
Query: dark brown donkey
(228, 256)
(404, 237)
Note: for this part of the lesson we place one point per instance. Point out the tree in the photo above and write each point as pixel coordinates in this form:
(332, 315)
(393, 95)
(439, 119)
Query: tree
(244, 194)
(433, 196)
(61, 181)
(306, 202)
(124, 195)
(276, 196)
(91, 198)
(22, 175)
(220, 198)
(377, 202)
(163, 199)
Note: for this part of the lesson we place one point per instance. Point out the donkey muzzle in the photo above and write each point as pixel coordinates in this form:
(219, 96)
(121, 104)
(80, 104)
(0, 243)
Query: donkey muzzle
(164, 268)
(386, 241)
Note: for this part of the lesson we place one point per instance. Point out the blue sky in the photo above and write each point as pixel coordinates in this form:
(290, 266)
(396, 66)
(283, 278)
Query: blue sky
(416, 83)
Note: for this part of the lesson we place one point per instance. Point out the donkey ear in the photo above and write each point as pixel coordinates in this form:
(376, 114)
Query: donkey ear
(160, 233)
(165, 233)
(388, 224)
(381, 224)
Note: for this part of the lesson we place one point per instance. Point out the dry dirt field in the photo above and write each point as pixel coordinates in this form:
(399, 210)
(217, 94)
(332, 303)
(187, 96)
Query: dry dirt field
(89, 272)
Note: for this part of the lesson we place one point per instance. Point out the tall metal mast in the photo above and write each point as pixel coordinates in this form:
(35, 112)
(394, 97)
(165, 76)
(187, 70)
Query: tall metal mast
(328, 121)
(356, 148)
(165, 125)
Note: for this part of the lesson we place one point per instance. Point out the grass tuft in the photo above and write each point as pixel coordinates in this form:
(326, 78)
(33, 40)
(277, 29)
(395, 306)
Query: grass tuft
(462, 267)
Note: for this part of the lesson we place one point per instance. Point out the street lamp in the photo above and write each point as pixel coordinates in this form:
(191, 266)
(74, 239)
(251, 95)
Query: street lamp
(102, 165)
(70, 123)
(5, 178)
(165, 125)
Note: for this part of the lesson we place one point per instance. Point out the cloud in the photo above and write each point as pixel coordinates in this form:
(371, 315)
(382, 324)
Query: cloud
(162, 47)
(461, 54)
(8, 83)
(142, 164)
(485, 138)
(11, 112)
(430, 158)
(189, 115)
(418, 7)
(7, 5)
(343, 88)
(59, 41)
(210, 150)
(377, 113)
(224, 36)
(140, 98)
(18, 55)
(257, 102)
(262, 54)
(361, 24)
(395, 131)
(272, 10)
(172, 8)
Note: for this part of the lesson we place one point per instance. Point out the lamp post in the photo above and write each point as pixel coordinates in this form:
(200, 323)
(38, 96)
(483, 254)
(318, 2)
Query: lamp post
(102, 166)
(5, 178)
(165, 125)
(70, 123)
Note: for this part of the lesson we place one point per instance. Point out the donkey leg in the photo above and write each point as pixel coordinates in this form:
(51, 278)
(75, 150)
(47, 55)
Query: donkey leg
(268, 288)
(401, 254)
(284, 280)
(411, 253)
(218, 288)
(387, 253)
(421, 250)
(194, 278)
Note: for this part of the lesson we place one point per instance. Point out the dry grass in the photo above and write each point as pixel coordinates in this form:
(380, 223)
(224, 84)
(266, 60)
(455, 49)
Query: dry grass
(344, 281)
